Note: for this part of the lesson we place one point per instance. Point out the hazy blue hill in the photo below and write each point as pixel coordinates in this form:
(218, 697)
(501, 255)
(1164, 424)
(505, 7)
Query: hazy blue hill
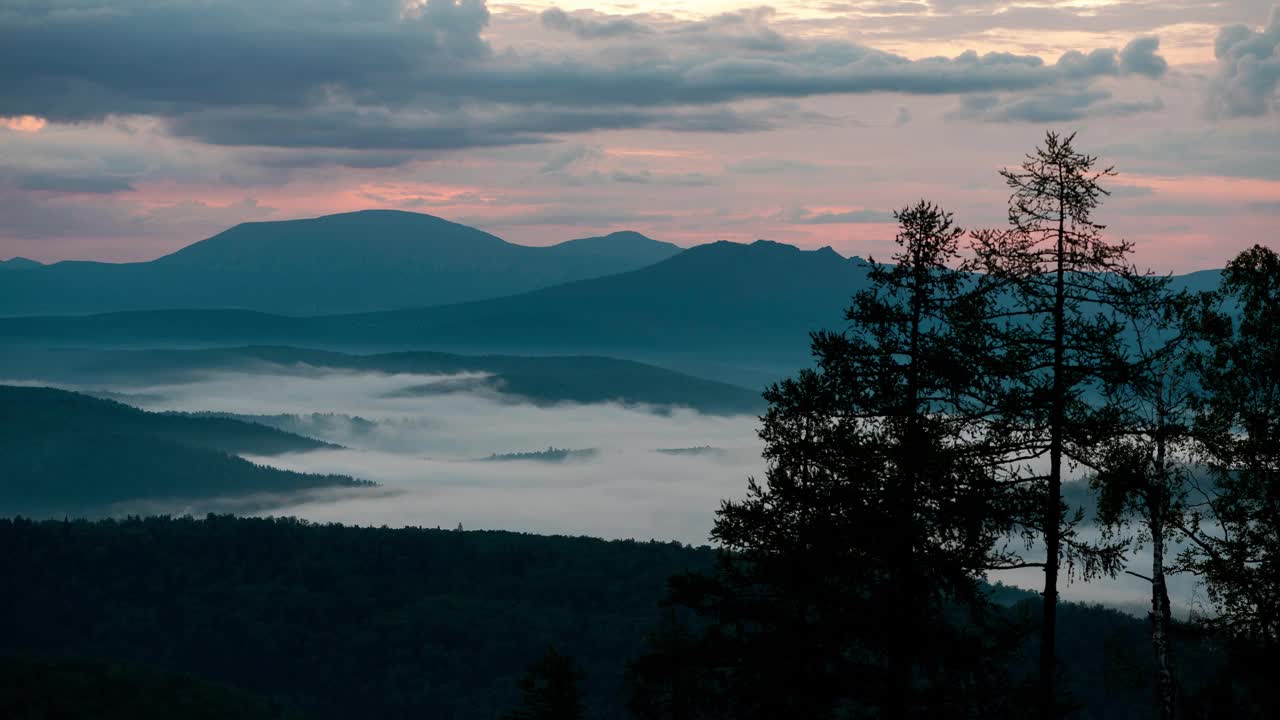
(728, 304)
(1200, 281)
(67, 452)
(736, 312)
(360, 261)
(542, 380)
(42, 410)
(626, 246)
(19, 263)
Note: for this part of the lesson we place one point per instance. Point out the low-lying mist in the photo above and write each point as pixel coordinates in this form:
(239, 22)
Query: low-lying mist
(425, 439)
(606, 470)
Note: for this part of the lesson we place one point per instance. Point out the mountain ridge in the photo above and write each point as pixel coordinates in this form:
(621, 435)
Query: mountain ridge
(366, 260)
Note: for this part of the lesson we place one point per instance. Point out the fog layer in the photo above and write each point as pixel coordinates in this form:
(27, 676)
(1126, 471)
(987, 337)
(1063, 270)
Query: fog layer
(426, 438)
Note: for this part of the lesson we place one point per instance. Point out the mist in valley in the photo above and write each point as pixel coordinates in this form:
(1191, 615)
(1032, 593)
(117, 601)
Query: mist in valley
(431, 441)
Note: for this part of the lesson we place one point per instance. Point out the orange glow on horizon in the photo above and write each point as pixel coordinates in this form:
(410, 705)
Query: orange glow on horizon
(23, 123)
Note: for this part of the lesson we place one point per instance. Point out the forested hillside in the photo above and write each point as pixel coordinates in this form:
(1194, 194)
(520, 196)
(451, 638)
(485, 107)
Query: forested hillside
(65, 452)
(344, 622)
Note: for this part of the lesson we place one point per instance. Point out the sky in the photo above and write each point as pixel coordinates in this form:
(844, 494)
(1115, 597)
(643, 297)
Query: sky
(131, 128)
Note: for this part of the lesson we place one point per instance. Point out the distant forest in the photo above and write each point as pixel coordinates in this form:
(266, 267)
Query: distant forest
(324, 621)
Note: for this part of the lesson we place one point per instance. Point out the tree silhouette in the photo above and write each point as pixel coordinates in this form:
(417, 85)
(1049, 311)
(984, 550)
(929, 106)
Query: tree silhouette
(1236, 533)
(1063, 283)
(1141, 478)
(549, 690)
(850, 581)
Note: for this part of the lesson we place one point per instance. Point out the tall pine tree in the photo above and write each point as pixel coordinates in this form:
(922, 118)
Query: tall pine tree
(843, 575)
(1061, 282)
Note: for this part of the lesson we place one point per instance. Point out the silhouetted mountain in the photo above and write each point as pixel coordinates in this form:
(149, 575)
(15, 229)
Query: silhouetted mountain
(722, 304)
(541, 380)
(361, 261)
(740, 313)
(66, 452)
(625, 246)
(19, 263)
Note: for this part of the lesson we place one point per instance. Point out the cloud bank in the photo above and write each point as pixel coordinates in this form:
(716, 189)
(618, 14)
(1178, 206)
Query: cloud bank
(423, 76)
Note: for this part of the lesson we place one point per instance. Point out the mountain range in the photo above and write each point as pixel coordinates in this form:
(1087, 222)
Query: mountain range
(360, 261)
(740, 313)
(737, 312)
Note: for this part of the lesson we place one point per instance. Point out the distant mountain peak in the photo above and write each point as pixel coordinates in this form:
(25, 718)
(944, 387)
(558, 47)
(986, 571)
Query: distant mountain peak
(359, 261)
(20, 263)
(620, 244)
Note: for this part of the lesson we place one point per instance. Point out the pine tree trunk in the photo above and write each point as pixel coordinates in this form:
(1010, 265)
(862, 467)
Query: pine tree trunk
(909, 607)
(1161, 615)
(1053, 494)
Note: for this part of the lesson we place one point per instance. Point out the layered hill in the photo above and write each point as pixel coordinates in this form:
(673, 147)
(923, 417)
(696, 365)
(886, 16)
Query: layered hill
(351, 262)
(63, 452)
(19, 263)
(721, 304)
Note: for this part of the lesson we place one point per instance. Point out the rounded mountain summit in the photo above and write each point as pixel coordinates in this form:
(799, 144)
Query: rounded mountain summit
(350, 262)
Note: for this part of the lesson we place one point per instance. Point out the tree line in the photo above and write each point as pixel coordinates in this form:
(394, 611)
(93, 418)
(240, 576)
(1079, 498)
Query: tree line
(929, 446)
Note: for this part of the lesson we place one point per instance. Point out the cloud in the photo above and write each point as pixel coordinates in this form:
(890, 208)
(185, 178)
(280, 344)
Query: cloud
(1227, 151)
(645, 177)
(572, 155)
(375, 76)
(99, 185)
(774, 166)
(588, 28)
(1139, 58)
(1248, 70)
(1050, 107)
(807, 217)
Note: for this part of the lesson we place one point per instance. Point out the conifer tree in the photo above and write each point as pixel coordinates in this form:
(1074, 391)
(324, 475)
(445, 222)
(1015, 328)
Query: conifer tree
(550, 690)
(1236, 530)
(1064, 287)
(838, 590)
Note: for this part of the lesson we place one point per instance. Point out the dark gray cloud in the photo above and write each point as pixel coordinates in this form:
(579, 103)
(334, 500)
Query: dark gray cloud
(377, 128)
(375, 77)
(1248, 69)
(966, 18)
(1139, 58)
(1225, 150)
(1050, 107)
(82, 60)
(54, 182)
(570, 156)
